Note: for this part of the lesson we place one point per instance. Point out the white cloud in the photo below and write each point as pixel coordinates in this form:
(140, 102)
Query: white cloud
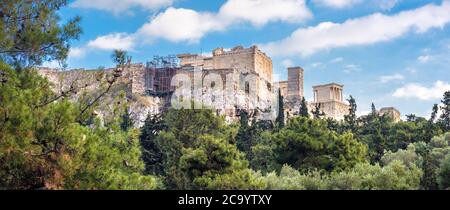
(386, 4)
(286, 63)
(411, 70)
(119, 41)
(339, 4)
(366, 30)
(347, 69)
(317, 65)
(121, 6)
(52, 64)
(260, 12)
(388, 78)
(421, 92)
(426, 50)
(76, 52)
(114, 41)
(424, 58)
(178, 24)
(187, 25)
(352, 68)
(277, 77)
(337, 60)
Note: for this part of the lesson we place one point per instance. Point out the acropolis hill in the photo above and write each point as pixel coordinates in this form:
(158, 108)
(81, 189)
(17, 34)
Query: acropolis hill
(245, 74)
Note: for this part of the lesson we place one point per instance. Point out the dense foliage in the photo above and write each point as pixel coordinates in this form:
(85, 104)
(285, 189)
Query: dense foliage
(31, 32)
(45, 147)
(307, 144)
(48, 141)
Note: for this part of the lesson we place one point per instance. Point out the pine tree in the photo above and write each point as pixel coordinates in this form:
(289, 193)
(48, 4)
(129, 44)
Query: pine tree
(333, 125)
(351, 119)
(379, 145)
(32, 32)
(372, 116)
(304, 109)
(429, 179)
(374, 110)
(127, 121)
(280, 121)
(152, 155)
(244, 135)
(432, 128)
(317, 112)
(445, 116)
(434, 113)
(55, 150)
(444, 174)
(411, 118)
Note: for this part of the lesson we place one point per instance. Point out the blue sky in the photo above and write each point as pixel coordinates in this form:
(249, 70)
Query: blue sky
(390, 52)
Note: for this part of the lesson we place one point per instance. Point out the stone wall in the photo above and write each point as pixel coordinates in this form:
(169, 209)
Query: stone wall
(263, 64)
(391, 112)
(332, 109)
(78, 78)
(89, 81)
(283, 86)
(251, 70)
(137, 77)
(225, 90)
(246, 60)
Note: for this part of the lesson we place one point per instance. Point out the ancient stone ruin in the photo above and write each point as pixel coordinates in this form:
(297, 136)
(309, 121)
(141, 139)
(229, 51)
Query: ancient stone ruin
(228, 81)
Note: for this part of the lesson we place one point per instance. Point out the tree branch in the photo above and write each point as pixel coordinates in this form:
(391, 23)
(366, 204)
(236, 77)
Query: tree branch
(116, 74)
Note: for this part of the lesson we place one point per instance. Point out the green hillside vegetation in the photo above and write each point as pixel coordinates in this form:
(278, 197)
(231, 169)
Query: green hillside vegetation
(48, 141)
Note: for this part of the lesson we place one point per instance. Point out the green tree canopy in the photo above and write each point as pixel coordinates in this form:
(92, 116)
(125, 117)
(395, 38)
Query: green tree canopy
(363, 176)
(444, 174)
(44, 147)
(198, 152)
(445, 116)
(304, 108)
(351, 119)
(307, 144)
(31, 32)
(280, 121)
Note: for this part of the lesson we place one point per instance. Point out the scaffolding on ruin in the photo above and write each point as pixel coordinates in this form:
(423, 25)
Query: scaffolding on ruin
(170, 61)
(159, 73)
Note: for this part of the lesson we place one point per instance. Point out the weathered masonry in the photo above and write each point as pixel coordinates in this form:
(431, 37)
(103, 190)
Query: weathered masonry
(330, 99)
(227, 80)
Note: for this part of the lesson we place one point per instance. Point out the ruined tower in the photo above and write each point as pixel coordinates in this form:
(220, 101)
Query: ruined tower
(292, 90)
(295, 84)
